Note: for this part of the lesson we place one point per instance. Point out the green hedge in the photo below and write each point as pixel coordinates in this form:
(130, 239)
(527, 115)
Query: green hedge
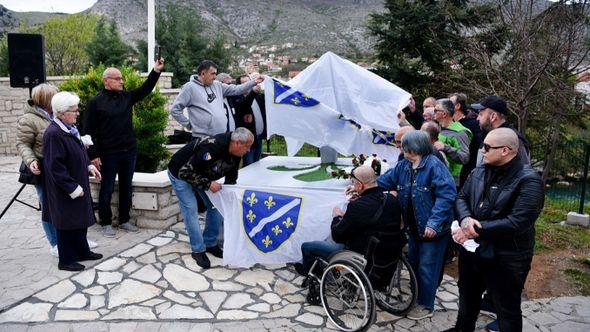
(149, 116)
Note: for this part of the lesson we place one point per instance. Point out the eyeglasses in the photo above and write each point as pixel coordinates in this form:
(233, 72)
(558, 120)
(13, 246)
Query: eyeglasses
(438, 111)
(487, 147)
(116, 78)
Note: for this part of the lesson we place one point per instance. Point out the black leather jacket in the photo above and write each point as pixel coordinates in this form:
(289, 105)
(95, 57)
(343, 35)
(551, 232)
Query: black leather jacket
(357, 225)
(506, 200)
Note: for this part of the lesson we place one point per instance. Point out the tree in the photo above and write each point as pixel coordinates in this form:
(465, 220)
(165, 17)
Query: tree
(106, 47)
(149, 116)
(65, 39)
(418, 40)
(533, 64)
(4, 70)
(179, 32)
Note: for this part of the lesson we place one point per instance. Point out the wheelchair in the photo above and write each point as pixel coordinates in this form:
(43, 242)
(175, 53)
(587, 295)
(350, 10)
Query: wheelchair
(348, 288)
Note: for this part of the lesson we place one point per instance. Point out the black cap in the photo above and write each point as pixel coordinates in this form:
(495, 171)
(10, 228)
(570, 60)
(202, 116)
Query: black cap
(494, 102)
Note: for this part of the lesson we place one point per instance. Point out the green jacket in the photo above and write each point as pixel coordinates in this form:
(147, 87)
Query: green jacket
(456, 139)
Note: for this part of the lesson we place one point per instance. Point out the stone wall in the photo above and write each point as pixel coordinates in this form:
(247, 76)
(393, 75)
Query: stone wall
(154, 203)
(12, 106)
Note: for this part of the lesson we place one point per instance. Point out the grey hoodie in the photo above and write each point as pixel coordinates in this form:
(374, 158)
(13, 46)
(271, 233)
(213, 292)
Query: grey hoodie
(205, 118)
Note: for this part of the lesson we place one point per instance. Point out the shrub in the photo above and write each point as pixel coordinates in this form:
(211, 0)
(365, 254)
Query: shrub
(149, 116)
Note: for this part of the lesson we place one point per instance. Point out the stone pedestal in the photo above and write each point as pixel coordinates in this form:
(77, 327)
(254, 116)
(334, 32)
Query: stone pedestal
(154, 204)
(576, 219)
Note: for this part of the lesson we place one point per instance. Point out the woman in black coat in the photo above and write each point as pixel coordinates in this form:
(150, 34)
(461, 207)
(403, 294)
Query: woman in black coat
(67, 187)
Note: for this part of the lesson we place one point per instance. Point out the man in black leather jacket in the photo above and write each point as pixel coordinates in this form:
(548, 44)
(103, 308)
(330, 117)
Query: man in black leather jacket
(498, 207)
(372, 212)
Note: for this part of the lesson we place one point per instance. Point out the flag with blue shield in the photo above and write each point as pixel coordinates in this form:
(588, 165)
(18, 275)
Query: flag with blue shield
(269, 219)
(268, 225)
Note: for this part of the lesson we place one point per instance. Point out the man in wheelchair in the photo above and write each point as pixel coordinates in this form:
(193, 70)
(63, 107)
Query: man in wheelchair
(370, 213)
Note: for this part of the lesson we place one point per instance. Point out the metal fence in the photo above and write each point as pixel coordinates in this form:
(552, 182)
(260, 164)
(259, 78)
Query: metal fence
(568, 184)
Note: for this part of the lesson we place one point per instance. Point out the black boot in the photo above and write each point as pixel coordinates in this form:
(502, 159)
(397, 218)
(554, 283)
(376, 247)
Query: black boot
(71, 267)
(201, 259)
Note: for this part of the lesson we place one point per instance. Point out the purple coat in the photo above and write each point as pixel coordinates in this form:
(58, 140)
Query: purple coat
(66, 167)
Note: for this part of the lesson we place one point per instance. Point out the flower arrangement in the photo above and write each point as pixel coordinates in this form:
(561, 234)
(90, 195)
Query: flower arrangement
(378, 165)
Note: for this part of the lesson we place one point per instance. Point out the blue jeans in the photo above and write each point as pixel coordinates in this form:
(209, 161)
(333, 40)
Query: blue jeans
(427, 259)
(254, 154)
(188, 207)
(49, 229)
(122, 164)
(318, 249)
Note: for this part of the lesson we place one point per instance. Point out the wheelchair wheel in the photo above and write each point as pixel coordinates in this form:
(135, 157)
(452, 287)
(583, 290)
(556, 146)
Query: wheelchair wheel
(401, 293)
(347, 296)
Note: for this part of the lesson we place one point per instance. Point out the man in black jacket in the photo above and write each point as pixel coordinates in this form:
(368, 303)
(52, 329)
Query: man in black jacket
(498, 207)
(193, 170)
(109, 121)
(251, 114)
(373, 211)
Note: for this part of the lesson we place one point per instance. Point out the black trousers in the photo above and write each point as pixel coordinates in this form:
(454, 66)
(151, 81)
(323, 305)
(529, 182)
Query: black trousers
(503, 277)
(72, 245)
(121, 164)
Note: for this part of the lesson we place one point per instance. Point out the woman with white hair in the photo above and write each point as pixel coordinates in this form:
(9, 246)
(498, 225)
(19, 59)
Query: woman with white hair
(66, 166)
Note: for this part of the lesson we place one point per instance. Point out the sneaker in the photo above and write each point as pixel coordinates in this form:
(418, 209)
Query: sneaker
(419, 312)
(91, 244)
(54, 251)
(215, 251)
(129, 227)
(108, 231)
(493, 326)
(201, 259)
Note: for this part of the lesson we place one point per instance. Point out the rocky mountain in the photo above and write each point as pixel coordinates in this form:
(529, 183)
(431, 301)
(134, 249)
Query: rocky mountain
(313, 26)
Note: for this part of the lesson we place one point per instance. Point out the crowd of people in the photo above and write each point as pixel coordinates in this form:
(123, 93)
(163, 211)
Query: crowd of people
(457, 162)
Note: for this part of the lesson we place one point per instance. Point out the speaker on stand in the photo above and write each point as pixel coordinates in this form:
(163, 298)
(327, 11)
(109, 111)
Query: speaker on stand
(26, 61)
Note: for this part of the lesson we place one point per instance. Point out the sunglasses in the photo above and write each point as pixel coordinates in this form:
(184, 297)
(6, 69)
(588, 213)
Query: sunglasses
(487, 147)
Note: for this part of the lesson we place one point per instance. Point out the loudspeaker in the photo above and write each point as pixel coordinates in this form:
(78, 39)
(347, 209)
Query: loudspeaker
(26, 59)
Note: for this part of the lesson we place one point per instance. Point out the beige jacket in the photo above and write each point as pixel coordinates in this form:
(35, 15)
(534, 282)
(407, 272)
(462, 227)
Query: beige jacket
(29, 135)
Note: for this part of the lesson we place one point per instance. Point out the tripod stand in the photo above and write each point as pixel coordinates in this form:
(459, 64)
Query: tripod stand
(15, 198)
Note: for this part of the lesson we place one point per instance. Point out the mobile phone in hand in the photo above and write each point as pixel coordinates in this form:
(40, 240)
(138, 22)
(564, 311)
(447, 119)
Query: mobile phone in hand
(158, 53)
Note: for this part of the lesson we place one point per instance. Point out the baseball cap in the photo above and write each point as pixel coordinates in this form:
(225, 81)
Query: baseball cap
(494, 102)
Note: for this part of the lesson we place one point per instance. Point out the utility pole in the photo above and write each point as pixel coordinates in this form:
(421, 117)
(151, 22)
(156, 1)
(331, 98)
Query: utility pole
(151, 34)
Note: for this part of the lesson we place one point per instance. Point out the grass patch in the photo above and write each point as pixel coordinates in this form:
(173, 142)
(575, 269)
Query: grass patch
(318, 175)
(551, 235)
(581, 279)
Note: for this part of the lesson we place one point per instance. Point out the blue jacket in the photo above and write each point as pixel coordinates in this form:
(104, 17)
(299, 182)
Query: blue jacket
(433, 194)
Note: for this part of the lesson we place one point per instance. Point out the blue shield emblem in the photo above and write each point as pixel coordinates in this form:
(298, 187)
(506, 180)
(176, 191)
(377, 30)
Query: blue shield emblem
(284, 94)
(383, 137)
(269, 219)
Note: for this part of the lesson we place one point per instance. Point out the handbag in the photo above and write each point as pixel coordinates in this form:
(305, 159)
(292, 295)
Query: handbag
(27, 177)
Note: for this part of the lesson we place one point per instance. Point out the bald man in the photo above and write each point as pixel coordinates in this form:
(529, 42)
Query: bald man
(109, 120)
(372, 211)
(497, 207)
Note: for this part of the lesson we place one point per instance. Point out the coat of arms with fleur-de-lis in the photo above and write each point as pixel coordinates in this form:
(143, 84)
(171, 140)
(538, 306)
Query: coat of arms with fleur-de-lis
(269, 219)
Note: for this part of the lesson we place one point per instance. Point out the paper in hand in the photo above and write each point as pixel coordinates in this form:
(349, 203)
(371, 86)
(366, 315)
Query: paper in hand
(469, 245)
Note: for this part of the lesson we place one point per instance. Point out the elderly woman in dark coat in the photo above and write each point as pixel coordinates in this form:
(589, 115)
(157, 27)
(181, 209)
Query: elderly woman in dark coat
(66, 167)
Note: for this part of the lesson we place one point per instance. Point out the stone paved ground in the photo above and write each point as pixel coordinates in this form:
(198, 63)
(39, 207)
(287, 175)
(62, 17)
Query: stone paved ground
(149, 282)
